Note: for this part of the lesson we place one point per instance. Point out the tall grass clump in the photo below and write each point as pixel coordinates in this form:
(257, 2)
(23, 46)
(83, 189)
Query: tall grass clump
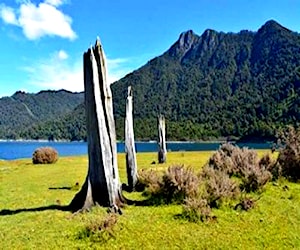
(289, 154)
(44, 155)
(100, 229)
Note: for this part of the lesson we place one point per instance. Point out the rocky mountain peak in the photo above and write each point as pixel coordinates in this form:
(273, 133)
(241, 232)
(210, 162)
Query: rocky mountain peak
(186, 39)
(185, 42)
(271, 26)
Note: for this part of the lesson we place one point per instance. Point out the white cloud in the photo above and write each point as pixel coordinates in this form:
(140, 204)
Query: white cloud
(116, 69)
(56, 72)
(62, 55)
(8, 15)
(55, 2)
(36, 21)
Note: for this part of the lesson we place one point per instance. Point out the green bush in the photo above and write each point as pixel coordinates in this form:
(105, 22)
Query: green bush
(44, 155)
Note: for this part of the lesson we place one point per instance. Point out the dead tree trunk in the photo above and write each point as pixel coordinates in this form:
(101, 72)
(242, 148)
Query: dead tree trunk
(162, 151)
(131, 164)
(102, 184)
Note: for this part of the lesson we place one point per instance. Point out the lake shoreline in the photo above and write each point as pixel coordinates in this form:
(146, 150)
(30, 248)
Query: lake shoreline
(118, 141)
(11, 150)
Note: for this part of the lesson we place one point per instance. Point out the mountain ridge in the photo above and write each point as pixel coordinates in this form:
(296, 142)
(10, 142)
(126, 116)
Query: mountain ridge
(218, 84)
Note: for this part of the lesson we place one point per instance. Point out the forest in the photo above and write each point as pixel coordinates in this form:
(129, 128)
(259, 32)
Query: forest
(242, 85)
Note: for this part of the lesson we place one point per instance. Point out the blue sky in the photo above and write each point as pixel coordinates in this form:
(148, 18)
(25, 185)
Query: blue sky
(42, 42)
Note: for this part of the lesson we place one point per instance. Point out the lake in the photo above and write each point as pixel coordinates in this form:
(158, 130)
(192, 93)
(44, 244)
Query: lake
(10, 150)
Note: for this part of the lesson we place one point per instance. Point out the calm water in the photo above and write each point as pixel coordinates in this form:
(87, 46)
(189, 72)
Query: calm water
(17, 150)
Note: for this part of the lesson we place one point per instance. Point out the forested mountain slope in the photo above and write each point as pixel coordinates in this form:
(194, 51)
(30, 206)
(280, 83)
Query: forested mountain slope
(219, 84)
(21, 111)
(245, 85)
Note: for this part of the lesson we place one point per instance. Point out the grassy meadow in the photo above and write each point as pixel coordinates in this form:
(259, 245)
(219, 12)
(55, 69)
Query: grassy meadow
(29, 218)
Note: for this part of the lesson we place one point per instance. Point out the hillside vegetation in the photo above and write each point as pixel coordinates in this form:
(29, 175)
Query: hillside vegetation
(219, 84)
(245, 85)
(22, 114)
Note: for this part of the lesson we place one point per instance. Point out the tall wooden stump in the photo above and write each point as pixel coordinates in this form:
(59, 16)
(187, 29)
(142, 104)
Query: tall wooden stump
(162, 151)
(131, 164)
(102, 184)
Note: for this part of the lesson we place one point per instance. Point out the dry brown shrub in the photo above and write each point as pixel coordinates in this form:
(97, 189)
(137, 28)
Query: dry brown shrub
(254, 178)
(267, 163)
(44, 155)
(222, 162)
(195, 209)
(245, 204)
(289, 154)
(218, 187)
(179, 182)
(244, 159)
(244, 164)
(150, 180)
(232, 159)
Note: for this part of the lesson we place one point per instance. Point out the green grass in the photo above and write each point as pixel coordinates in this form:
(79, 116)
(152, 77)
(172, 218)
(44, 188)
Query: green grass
(27, 220)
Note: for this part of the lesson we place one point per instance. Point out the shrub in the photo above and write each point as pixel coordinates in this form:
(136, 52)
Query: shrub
(195, 209)
(149, 180)
(178, 183)
(289, 155)
(254, 178)
(245, 204)
(221, 162)
(218, 187)
(44, 155)
(244, 159)
(244, 164)
(267, 163)
(173, 186)
(232, 159)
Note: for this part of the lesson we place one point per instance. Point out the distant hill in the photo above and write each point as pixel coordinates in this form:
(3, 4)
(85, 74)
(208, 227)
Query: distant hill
(23, 111)
(245, 85)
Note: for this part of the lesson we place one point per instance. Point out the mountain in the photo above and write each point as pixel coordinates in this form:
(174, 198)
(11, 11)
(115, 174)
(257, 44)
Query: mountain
(22, 111)
(245, 85)
(218, 84)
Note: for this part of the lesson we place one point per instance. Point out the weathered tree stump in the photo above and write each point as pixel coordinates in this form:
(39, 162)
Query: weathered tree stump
(102, 184)
(162, 151)
(131, 163)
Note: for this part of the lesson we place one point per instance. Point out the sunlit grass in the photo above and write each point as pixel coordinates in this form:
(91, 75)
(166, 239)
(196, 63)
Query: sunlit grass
(274, 223)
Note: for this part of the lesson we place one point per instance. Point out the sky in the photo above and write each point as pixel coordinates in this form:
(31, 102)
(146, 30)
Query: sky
(42, 42)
